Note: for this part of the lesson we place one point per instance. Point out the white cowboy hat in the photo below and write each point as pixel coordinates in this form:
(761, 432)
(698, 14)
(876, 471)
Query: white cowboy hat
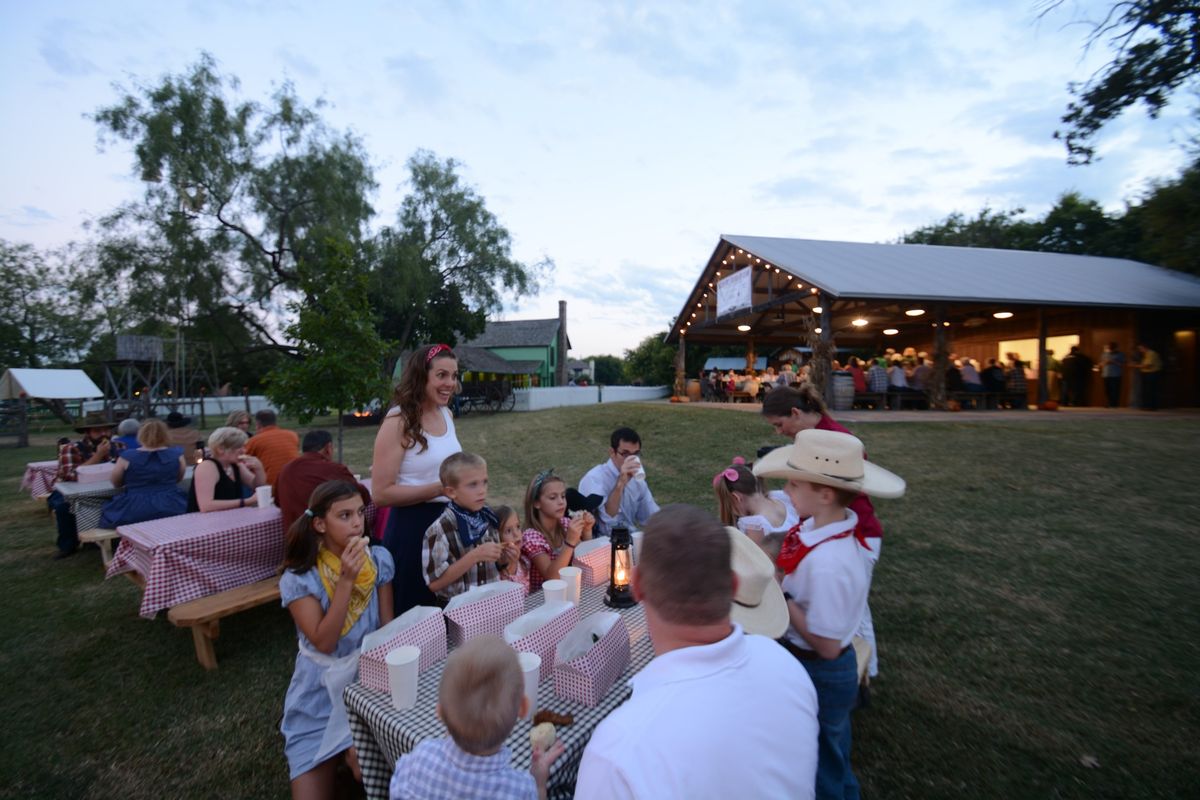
(758, 606)
(830, 458)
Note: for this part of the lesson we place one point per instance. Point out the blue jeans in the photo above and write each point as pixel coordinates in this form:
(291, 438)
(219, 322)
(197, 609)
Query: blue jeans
(68, 536)
(836, 682)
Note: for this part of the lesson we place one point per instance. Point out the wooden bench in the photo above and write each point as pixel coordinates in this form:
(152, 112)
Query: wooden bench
(203, 616)
(876, 400)
(103, 538)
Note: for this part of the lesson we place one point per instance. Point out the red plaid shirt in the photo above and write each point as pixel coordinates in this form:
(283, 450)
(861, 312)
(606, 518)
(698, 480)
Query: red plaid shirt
(73, 455)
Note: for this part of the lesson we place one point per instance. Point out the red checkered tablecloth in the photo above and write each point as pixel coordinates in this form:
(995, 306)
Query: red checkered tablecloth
(195, 555)
(39, 477)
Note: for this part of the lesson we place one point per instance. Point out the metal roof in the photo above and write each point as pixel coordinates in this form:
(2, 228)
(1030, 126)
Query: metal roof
(972, 274)
(518, 333)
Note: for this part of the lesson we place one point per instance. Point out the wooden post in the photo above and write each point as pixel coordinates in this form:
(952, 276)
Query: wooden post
(23, 421)
(751, 355)
(203, 422)
(1043, 389)
(941, 359)
(246, 395)
(341, 424)
(680, 389)
(821, 368)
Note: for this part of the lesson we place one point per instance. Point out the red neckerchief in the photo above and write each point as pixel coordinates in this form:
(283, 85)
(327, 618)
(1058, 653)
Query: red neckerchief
(793, 550)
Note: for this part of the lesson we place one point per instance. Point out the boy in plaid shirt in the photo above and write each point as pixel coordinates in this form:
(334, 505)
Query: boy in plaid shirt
(480, 699)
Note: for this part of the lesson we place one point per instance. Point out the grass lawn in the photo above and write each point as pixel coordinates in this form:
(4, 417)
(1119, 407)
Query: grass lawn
(1036, 605)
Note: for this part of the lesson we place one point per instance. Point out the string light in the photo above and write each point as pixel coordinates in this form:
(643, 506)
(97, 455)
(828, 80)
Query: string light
(817, 309)
(817, 330)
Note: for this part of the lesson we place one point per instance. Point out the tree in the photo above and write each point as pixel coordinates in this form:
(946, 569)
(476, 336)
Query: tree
(609, 370)
(1157, 46)
(437, 271)
(1168, 222)
(1004, 230)
(46, 317)
(340, 354)
(233, 195)
(651, 363)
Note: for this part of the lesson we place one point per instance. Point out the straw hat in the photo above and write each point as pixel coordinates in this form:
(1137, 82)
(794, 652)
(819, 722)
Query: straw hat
(94, 419)
(830, 458)
(758, 606)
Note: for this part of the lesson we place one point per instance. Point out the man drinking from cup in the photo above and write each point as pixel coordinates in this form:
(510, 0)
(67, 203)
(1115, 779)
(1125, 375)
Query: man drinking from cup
(621, 481)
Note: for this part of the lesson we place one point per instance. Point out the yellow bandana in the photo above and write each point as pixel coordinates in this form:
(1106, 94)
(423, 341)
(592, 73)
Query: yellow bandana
(329, 567)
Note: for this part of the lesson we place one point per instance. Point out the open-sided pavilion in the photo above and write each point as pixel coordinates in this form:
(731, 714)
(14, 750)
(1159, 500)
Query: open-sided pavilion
(975, 302)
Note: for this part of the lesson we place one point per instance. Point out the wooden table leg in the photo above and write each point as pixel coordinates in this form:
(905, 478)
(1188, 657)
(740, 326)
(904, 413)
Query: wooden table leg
(203, 636)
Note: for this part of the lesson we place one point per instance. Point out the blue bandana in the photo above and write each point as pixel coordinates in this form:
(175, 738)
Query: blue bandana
(473, 525)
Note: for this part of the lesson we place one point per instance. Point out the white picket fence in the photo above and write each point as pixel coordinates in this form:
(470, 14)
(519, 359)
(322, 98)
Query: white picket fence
(540, 398)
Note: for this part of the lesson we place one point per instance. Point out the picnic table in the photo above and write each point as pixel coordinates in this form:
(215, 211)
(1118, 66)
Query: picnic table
(39, 477)
(382, 734)
(87, 499)
(189, 556)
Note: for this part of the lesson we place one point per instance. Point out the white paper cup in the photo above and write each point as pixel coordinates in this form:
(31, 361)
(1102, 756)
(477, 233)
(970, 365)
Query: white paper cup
(640, 475)
(637, 545)
(554, 591)
(573, 577)
(403, 664)
(263, 493)
(531, 665)
(357, 477)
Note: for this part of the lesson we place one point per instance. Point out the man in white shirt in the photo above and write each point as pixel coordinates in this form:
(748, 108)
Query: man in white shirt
(718, 712)
(621, 481)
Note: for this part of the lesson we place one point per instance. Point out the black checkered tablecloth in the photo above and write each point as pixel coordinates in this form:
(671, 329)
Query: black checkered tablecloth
(382, 734)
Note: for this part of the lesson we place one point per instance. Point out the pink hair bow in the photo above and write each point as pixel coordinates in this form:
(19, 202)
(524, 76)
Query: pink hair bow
(729, 473)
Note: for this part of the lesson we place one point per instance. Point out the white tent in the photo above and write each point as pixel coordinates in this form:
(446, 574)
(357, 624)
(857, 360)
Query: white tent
(47, 384)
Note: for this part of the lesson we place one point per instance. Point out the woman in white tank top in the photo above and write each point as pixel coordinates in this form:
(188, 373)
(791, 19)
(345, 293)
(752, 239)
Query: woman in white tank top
(414, 438)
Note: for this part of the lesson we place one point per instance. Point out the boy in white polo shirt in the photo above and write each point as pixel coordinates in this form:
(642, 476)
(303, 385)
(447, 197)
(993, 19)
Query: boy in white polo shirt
(827, 580)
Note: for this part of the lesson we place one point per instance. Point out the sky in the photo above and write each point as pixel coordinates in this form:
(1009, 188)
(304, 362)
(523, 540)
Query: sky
(619, 139)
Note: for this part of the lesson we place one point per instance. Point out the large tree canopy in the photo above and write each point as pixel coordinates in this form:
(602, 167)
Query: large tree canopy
(232, 191)
(47, 316)
(1157, 45)
(439, 271)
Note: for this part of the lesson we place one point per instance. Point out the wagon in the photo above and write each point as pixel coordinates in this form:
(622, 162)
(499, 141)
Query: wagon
(485, 395)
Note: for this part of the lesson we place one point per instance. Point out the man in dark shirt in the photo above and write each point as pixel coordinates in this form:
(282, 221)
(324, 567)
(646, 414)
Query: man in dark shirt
(301, 475)
(93, 448)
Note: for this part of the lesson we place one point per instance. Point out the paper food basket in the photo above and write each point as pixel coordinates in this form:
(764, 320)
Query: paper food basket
(584, 669)
(594, 558)
(484, 609)
(540, 630)
(422, 626)
(93, 473)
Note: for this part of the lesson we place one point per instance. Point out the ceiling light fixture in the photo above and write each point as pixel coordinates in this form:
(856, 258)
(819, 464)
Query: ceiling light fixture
(1003, 315)
(890, 331)
(914, 312)
(858, 323)
(743, 327)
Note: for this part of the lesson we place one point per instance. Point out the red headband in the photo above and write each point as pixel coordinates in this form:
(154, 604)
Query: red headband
(433, 352)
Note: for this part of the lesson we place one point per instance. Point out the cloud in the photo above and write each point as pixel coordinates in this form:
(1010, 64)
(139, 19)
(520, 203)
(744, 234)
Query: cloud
(668, 45)
(418, 80)
(523, 56)
(297, 62)
(61, 49)
(27, 216)
(1037, 182)
(812, 188)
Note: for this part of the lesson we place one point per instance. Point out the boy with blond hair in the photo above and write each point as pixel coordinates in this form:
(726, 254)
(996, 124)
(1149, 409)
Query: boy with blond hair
(481, 696)
(461, 548)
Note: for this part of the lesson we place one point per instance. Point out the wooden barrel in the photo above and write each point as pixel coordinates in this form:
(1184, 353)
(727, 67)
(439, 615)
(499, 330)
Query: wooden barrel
(693, 389)
(843, 391)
